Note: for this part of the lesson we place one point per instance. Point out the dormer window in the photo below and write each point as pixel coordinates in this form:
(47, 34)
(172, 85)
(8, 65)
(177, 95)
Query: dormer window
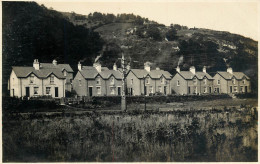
(112, 81)
(178, 82)
(147, 80)
(98, 81)
(65, 73)
(132, 81)
(162, 80)
(244, 81)
(52, 79)
(218, 82)
(32, 79)
(233, 81)
(194, 81)
(205, 81)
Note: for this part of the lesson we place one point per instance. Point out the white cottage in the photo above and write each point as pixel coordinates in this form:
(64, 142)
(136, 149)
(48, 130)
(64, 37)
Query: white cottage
(38, 80)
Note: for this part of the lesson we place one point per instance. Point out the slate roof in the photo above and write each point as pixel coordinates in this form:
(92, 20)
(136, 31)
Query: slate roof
(59, 66)
(229, 76)
(189, 75)
(89, 72)
(23, 72)
(154, 74)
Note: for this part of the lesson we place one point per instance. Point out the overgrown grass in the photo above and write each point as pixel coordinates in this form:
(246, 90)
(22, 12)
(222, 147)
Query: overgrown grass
(204, 135)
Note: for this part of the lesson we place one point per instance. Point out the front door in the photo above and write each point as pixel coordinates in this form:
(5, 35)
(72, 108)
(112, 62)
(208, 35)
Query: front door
(209, 89)
(27, 91)
(145, 90)
(245, 89)
(165, 89)
(230, 89)
(217, 90)
(56, 92)
(131, 91)
(119, 91)
(90, 92)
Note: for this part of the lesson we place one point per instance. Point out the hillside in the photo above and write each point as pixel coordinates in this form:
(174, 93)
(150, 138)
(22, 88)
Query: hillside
(166, 47)
(33, 32)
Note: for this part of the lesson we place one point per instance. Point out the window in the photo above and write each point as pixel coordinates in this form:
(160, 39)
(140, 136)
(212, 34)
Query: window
(218, 82)
(65, 73)
(147, 80)
(48, 90)
(98, 81)
(160, 88)
(241, 89)
(98, 90)
(52, 79)
(112, 81)
(112, 90)
(178, 82)
(244, 81)
(36, 90)
(235, 88)
(205, 89)
(132, 81)
(79, 82)
(205, 81)
(194, 81)
(195, 90)
(32, 78)
(151, 89)
(162, 80)
(233, 81)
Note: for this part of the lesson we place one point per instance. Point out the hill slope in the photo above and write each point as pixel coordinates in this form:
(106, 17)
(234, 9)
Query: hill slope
(165, 46)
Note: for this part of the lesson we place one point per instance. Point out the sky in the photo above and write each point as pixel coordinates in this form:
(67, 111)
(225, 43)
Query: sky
(239, 17)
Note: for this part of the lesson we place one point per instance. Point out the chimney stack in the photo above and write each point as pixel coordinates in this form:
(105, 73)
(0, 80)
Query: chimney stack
(128, 67)
(36, 64)
(192, 69)
(54, 62)
(97, 66)
(178, 69)
(147, 66)
(115, 67)
(79, 66)
(230, 70)
(204, 69)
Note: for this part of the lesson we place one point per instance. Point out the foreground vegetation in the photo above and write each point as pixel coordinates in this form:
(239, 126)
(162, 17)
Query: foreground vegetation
(228, 134)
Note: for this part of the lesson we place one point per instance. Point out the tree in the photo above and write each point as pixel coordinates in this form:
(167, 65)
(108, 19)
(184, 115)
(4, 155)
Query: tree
(154, 33)
(171, 34)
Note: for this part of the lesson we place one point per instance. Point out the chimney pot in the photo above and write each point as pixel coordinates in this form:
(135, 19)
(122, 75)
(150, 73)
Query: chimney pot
(230, 70)
(36, 64)
(54, 62)
(97, 66)
(193, 69)
(178, 69)
(147, 66)
(204, 69)
(79, 66)
(115, 67)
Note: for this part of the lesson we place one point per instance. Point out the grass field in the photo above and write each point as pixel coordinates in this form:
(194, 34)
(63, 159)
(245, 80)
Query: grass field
(196, 131)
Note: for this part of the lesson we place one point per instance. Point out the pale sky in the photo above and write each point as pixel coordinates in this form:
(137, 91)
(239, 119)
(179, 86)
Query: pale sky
(240, 17)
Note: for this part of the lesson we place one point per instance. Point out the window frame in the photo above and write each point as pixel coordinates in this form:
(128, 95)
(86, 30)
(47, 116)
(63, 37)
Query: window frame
(32, 79)
(37, 93)
(52, 79)
(98, 91)
(178, 82)
(49, 90)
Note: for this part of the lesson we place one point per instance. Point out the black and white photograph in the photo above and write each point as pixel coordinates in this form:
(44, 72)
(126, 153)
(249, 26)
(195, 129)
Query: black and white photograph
(129, 81)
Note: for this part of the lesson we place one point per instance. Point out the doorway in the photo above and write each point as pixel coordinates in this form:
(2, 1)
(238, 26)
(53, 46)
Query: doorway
(90, 91)
(27, 91)
(56, 92)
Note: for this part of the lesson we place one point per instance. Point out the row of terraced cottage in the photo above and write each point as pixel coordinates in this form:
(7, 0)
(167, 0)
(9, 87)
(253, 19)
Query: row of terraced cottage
(53, 79)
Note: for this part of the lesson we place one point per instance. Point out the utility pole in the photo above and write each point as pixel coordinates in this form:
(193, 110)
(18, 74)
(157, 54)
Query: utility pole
(123, 96)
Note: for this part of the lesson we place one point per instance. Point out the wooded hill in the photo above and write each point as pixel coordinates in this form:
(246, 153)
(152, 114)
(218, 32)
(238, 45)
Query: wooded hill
(32, 31)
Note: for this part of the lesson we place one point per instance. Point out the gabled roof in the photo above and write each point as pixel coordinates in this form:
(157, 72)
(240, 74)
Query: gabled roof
(154, 74)
(187, 75)
(23, 72)
(229, 76)
(58, 66)
(89, 72)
